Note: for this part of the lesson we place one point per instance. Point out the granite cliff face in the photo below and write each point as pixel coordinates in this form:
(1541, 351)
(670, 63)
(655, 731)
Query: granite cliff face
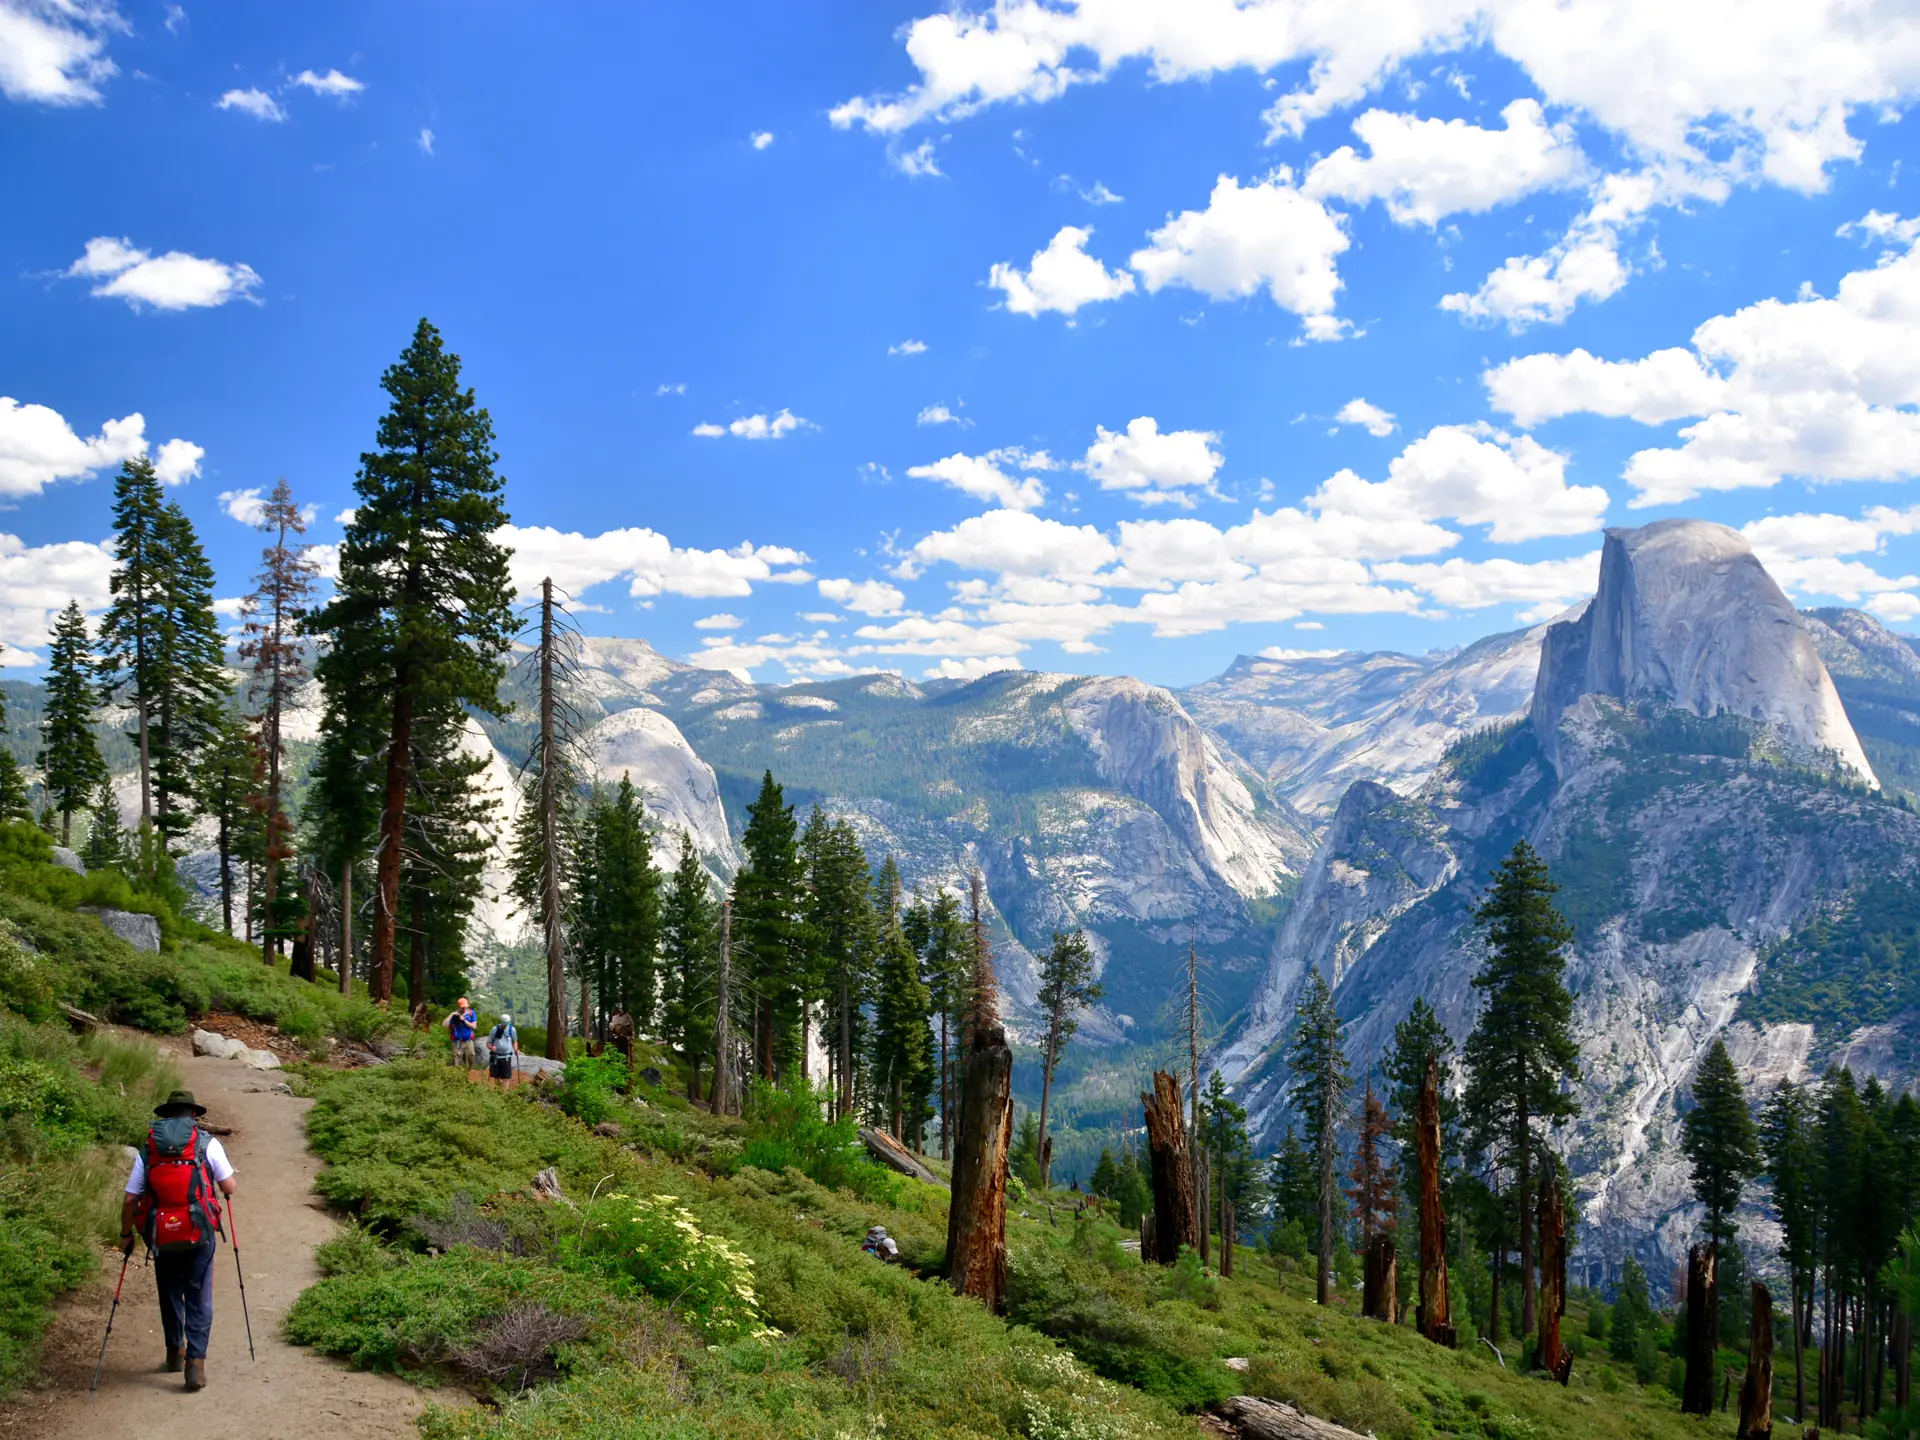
(1697, 831)
(1686, 615)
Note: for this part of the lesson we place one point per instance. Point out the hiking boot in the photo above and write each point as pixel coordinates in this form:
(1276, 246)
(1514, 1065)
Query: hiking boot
(174, 1357)
(196, 1374)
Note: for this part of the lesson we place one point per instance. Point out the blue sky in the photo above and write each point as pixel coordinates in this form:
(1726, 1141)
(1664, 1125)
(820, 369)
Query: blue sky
(1031, 334)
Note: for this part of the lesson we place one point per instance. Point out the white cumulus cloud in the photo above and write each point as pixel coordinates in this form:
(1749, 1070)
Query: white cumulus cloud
(867, 597)
(756, 427)
(174, 281)
(332, 84)
(971, 668)
(54, 51)
(720, 620)
(257, 103)
(38, 448)
(1154, 467)
(649, 562)
(985, 477)
(1370, 417)
(761, 139)
(1426, 169)
(908, 347)
(940, 414)
(1818, 388)
(1060, 278)
(1265, 236)
(36, 581)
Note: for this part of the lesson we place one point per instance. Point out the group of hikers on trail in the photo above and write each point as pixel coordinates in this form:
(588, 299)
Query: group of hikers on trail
(172, 1201)
(503, 1042)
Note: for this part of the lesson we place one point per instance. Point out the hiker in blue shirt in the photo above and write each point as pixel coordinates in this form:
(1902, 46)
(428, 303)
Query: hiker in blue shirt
(461, 1025)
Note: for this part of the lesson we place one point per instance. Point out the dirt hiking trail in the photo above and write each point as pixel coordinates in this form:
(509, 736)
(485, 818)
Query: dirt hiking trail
(289, 1391)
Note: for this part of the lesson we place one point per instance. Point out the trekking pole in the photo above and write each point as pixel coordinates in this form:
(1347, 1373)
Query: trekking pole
(241, 1275)
(99, 1365)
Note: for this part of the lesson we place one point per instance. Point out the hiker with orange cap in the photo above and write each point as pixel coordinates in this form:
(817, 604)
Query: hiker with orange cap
(173, 1197)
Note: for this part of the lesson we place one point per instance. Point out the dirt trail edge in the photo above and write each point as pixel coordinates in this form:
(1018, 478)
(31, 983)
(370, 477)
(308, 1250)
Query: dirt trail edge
(289, 1391)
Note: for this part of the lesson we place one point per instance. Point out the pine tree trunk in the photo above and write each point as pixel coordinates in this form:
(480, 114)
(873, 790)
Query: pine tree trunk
(1435, 1315)
(226, 874)
(1756, 1391)
(393, 817)
(1499, 1273)
(417, 950)
(1227, 1239)
(1799, 1365)
(305, 943)
(1380, 1292)
(722, 1024)
(346, 927)
(1046, 1093)
(1323, 1266)
(946, 1092)
(1175, 1222)
(846, 1051)
(1549, 1354)
(1697, 1399)
(550, 842)
(1529, 1295)
(1203, 1188)
(977, 1216)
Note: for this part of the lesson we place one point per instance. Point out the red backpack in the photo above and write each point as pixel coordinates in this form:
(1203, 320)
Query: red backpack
(180, 1210)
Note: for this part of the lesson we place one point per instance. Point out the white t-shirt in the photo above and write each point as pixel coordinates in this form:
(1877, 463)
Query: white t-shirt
(217, 1162)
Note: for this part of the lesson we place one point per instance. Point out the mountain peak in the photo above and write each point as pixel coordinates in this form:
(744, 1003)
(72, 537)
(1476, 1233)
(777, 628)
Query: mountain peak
(1686, 613)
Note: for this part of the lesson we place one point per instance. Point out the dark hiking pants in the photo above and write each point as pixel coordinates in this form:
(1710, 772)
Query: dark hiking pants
(186, 1299)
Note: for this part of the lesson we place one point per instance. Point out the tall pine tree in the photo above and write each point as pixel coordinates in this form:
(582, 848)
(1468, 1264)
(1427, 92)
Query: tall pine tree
(946, 959)
(229, 795)
(1720, 1142)
(1067, 987)
(689, 952)
(1318, 1061)
(769, 941)
(273, 647)
(1786, 1142)
(902, 1038)
(421, 614)
(616, 904)
(1522, 1047)
(71, 770)
(188, 690)
(130, 638)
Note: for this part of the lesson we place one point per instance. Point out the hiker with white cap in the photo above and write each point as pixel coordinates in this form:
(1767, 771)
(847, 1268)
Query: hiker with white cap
(503, 1050)
(173, 1195)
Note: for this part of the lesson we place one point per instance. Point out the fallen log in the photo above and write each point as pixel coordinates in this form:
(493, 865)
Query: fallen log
(1257, 1419)
(895, 1156)
(79, 1019)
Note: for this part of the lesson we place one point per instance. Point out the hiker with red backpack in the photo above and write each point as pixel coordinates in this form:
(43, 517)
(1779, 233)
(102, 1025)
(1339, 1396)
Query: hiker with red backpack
(173, 1197)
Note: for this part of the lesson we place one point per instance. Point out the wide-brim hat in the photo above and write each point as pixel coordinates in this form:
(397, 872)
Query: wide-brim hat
(179, 1100)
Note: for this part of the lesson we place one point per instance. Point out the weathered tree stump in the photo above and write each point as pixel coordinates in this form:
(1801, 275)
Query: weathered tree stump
(1380, 1285)
(1697, 1396)
(1147, 1256)
(1176, 1221)
(977, 1218)
(1550, 1355)
(1435, 1314)
(1756, 1391)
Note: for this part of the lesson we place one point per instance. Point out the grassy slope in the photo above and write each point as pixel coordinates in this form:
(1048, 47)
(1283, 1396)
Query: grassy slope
(864, 1349)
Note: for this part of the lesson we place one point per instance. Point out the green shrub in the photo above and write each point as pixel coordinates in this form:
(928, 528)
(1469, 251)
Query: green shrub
(589, 1087)
(421, 1317)
(788, 1131)
(1677, 1376)
(1187, 1279)
(354, 1251)
(655, 1243)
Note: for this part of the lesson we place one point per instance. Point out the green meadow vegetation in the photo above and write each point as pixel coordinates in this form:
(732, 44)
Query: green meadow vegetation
(454, 1272)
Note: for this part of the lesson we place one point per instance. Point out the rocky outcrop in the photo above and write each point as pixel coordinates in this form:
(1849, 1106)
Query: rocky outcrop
(1687, 616)
(679, 789)
(69, 860)
(142, 932)
(1147, 747)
